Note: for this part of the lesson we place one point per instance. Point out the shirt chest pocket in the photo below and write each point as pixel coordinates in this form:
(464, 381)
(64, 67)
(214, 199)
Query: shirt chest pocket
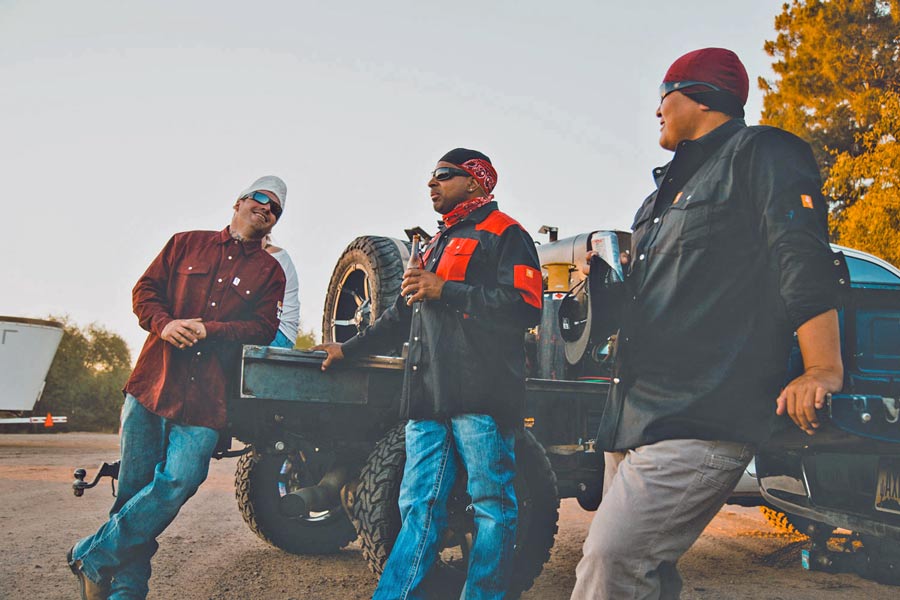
(455, 259)
(687, 223)
(192, 270)
(242, 291)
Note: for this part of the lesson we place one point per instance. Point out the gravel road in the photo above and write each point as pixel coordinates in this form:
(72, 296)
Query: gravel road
(208, 552)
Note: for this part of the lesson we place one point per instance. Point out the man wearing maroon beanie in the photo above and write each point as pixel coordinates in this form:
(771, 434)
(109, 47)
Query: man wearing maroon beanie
(730, 257)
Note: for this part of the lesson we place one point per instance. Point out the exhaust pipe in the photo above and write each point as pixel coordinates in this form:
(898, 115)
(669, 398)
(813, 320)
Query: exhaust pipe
(326, 495)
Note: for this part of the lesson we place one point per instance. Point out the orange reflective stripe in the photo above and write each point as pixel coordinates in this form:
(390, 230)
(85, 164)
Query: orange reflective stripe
(528, 281)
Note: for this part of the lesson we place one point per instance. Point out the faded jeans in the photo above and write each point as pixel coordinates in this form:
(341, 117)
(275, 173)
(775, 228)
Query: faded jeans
(432, 451)
(163, 464)
(657, 500)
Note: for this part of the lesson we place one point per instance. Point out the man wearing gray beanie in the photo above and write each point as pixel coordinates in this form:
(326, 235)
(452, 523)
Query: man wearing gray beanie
(206, 294)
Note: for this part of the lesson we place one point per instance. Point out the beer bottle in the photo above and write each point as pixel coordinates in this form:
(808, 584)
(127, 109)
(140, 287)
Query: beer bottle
(415, 253)
(415, 256)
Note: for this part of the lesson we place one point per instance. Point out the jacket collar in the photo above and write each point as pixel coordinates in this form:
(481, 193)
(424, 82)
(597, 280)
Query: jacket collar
(247, 246)
(696, 151)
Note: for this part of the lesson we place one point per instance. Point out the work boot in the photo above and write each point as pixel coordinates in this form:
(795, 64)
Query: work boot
(89, 590)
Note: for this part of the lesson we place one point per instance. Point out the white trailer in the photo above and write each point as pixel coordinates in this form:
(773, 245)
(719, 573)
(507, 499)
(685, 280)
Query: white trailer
(27, 348)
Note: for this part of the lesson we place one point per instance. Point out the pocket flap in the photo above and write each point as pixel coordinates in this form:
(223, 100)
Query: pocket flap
(192, 269)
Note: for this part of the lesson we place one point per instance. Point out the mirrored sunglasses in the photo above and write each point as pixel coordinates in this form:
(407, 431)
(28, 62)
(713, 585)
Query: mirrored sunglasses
(263, 199)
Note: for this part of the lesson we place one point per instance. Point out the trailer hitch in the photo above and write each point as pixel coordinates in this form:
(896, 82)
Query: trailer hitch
(106, 469)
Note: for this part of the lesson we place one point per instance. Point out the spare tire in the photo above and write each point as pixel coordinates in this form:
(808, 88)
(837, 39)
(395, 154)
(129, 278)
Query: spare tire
(365, 281)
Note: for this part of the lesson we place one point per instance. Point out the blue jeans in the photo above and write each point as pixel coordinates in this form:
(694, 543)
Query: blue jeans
(432, 451)
(163, 464)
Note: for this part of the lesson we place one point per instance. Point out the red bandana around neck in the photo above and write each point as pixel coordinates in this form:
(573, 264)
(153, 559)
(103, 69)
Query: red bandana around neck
(464, 209)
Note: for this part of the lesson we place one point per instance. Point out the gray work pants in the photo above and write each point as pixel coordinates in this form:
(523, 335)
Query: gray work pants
(657, 500)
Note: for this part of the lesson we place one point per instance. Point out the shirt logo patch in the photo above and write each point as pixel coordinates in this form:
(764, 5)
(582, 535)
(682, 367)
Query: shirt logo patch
(280, 308)
(236, 281)
(677, 197)
(806, 201)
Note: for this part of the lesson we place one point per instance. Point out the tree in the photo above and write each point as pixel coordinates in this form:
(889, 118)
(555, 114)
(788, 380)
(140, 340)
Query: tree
(86, 377)
(872, 223)
(837, 70)
(305, 339)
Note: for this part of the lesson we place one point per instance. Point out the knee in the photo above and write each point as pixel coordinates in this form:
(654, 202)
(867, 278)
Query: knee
(604, 552)
(182, 485)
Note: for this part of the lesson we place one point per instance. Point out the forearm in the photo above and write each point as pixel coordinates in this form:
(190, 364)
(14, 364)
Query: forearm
(820, 346)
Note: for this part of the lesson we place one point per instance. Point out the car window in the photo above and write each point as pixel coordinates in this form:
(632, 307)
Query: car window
(862, 271)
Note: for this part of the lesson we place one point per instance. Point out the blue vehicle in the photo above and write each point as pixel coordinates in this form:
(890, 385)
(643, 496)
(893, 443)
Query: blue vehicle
(847, 475)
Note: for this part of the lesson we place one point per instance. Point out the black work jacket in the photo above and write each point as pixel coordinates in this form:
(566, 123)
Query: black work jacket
(729, 256)
(466, 350)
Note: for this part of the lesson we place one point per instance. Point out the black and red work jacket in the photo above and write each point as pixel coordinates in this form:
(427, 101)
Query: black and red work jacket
(466, 350)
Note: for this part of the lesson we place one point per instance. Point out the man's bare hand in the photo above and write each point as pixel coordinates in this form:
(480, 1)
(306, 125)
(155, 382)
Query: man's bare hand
(183, 333)
(333, 351)
(806, 394)
(419, 284)
(820, 346)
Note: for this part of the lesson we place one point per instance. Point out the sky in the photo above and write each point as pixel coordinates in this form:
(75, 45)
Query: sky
(122, 123)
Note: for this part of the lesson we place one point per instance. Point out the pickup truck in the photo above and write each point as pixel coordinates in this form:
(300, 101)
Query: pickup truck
(323, 453)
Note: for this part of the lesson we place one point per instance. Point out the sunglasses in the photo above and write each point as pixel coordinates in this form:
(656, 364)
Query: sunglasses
(263, 199)
(445, 173)
(668, 87)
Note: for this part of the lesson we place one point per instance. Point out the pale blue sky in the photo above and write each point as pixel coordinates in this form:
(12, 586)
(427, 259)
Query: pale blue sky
(124, 122)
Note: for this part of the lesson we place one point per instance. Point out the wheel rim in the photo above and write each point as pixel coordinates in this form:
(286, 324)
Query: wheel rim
(353, 309)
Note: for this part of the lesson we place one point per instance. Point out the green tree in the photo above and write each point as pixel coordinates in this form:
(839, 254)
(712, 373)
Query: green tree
(837, 70)
(305, 338)
(86, 377)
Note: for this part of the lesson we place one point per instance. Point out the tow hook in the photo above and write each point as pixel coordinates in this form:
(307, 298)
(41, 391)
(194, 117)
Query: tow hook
(106, 469)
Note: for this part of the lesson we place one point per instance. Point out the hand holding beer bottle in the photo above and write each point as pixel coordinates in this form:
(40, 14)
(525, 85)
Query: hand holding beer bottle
(415, 263)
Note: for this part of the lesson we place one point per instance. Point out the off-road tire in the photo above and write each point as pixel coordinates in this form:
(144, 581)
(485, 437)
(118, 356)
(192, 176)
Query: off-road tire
(785, 523)
(377, 514)
(368, 271)
(258, 487)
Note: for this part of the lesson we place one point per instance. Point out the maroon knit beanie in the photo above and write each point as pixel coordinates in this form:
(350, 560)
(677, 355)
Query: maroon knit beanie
(718, 66)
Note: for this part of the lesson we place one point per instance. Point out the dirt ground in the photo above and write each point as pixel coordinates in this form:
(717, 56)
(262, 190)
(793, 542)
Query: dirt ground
(209, 553)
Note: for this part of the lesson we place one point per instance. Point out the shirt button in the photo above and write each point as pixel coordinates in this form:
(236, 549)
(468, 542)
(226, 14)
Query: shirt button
(248, 291)
(416, 338)
(634, 297)
(212, 303)
(198, 353)
(615, 380)
(417, 309)
(229, 258)
(415, 367)
(642, 256)
(190, 268)
(656, 220)
(192, 378)
(220, 280)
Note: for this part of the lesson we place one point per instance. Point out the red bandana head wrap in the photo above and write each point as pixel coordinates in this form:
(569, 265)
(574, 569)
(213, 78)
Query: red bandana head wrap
(476, 164)
(483, 172)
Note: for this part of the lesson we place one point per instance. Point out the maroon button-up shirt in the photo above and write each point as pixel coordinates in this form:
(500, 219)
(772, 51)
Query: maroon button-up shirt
(236, 288)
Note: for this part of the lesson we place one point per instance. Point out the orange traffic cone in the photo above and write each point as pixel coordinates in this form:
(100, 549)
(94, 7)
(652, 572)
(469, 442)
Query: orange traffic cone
(48, 422)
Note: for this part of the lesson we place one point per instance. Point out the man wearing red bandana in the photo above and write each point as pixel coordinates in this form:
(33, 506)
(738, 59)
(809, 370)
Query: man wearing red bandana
(466, 313)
